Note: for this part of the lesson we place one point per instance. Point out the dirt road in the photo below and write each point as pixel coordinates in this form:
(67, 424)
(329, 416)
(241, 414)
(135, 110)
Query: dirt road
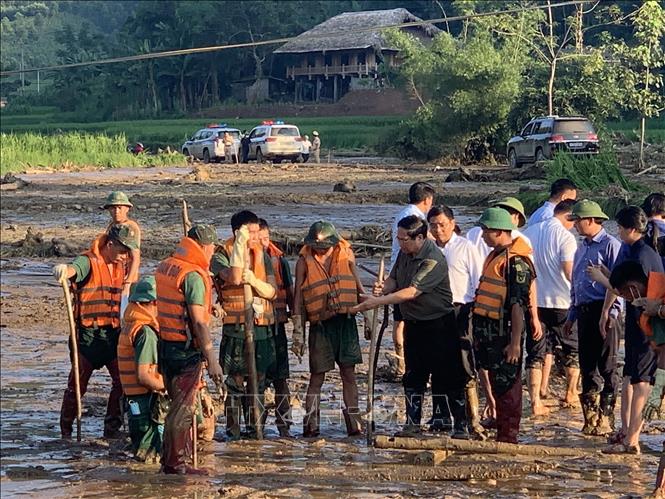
(65, 207)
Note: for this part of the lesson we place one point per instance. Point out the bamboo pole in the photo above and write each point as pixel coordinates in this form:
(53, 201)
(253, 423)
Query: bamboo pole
(372, 364)
(250, 357)
(75, 354)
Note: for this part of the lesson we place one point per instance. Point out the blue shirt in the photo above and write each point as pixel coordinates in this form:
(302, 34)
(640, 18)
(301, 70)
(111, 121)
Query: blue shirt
(601, 249)
(545, 212)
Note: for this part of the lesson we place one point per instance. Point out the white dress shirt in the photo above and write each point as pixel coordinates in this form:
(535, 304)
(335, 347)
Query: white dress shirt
(410, 209)
(465, 265)
(545, 212)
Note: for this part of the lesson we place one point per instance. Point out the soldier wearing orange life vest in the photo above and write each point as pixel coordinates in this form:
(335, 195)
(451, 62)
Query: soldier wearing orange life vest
(327, 288)
(228, 269)
(97, 278)
(142, 384)
(279, 373)
(184, 303)
(500, 317)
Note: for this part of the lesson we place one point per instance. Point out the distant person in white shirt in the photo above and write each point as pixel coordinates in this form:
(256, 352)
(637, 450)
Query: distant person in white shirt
(465, 266)
(554, 249)
(560, 190)
(421, 198)
(305, 145)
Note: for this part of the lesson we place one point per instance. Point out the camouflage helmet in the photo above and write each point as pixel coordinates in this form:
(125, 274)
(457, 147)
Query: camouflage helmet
(513, 204)
(117, 198)
(496, 218)
(145, 290)
(124, 234)
(203, 233)
(322, 235)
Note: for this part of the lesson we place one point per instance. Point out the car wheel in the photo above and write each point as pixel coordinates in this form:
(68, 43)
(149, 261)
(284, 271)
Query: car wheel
(185, 152)
(540, 156)
(206, 156)
(259, 156)
(277, 160)
(512, 159)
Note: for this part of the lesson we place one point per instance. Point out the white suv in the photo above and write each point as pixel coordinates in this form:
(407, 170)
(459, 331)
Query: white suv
(206, 144)
(275, 141)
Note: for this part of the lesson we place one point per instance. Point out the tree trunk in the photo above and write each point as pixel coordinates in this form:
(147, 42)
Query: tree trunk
(643, 124)
(214, 86)
(153, 87)
(183, 90)
(579, 34)
(550, 88)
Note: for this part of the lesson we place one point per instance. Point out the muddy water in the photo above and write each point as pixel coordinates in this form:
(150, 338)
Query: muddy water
(35, 364)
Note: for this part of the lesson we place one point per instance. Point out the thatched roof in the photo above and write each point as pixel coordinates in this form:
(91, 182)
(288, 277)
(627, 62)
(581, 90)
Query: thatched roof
(351, 30)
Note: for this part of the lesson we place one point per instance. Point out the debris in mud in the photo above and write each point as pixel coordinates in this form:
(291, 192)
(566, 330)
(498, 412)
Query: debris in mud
(11, 182)
(27, 473)
(200, 173)
(431, 457)
(345, 186)
(466, 175)
(33, 244)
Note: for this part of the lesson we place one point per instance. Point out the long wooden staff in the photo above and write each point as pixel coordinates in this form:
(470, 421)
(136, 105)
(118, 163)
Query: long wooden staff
(250, 357)
(75, 354)
(372, 360)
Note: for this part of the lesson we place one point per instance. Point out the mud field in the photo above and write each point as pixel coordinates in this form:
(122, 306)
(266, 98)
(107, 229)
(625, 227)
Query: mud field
(49, 217)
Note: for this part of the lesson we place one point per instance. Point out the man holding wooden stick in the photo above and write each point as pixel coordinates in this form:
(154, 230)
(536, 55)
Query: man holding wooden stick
(238, 264)
(97, 277)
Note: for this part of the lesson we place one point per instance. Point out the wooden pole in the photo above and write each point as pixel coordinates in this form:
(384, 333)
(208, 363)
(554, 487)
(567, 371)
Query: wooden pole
(372, 355)
(250, 357)
(186, 224)
(447, 443)
(195, 439)
(75, 354)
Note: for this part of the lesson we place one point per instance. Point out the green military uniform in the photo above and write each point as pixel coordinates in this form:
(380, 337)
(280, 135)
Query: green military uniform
(280, 368)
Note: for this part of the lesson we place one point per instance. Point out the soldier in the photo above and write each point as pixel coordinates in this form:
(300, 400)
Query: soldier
(231, 270)
(142, 384)
(327, 287)
(279, 371)
(315, 150)
(184, 303)
(118, 206)
(500, 317)
(98, 276)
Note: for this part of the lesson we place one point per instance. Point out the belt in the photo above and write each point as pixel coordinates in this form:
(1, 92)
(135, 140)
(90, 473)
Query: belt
(587, 307)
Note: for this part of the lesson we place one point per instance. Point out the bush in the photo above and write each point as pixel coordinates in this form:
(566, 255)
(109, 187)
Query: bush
(589, 173)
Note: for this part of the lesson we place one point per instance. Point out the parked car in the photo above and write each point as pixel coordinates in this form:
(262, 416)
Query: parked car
(206, 144)
(543, 137)
(275, 141)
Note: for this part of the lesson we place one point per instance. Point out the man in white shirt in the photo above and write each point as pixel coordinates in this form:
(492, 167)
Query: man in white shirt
(560, 190)
(421, 198)
(554, 251)
(305, 145)
(464, 268)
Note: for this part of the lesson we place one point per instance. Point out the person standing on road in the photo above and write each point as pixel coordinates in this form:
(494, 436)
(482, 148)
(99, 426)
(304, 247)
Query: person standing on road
(598, 350)
(419, 283)
(118, 206)
(279, 373)
(232, 271)
(229, 147)
(142, 384)
(464, 268)
(306, 146)
(560, 190)
(421, 199)
(554, 252)
(500, 317)
(245, 141)
(184, 304)
(97, 277)
(316, 147)
(327, 288)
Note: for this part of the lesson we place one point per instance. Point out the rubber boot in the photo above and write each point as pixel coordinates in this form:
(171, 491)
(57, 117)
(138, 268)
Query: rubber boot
(233, 410)
(250, 423)
(283, 413)
(458, 410)
(590, 410)
(353, 421)
(414, 410)
(605, 423)
(509, 413)
(476, 430)
(310, 422)
(441, 420)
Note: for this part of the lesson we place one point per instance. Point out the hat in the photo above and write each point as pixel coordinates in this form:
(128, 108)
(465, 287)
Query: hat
(204, 234)
(322, 235)
(144, 290)
(117, 198)
(587, 209)
(125, 234)
(514, 204)
(315, 133)
(496, 218)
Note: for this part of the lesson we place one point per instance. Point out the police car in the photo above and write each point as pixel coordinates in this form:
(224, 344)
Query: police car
(207, 144)
(275, 141)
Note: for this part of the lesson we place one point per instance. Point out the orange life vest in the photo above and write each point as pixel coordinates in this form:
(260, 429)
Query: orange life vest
(136, 316)
(232, 298)
(493, 288)
(130, 277)
(329, 292)
(280, 299)
(98, 297)
(172, 313)
(655, 289)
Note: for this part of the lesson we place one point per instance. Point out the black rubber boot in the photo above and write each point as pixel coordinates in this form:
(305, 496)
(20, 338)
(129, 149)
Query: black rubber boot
(414, 411)
(591, 411)
(353, 421)
(605, 424)
(458, 410)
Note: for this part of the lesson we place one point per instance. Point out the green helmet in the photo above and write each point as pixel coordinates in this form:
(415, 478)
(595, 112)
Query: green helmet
(496, 218)
(117, 198)
(125, 234)
(322, 235)
(144, 290)
(204, 234)
(587, 209)
(514, 204)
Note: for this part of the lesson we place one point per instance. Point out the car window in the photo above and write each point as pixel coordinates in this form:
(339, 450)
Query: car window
(235, 134)
(206, 135)
(545, 127)
(573, 126)
(257, 132)
(536, 128)
(285, 131)
(197, 135)
(527, 129)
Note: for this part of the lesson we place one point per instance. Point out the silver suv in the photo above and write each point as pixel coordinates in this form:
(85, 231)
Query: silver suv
(206, 144)
(275, 141)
